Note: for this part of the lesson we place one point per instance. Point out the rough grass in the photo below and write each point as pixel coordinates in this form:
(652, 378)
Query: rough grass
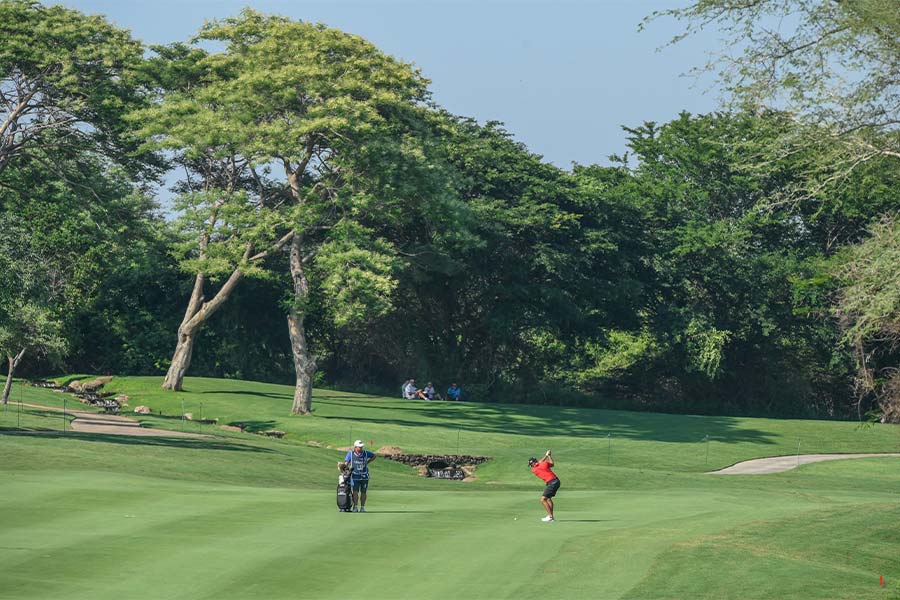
(242, 516)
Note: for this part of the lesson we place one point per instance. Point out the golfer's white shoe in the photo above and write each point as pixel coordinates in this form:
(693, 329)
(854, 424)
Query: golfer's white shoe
(362, 509)
(355, 509)
(548, 519)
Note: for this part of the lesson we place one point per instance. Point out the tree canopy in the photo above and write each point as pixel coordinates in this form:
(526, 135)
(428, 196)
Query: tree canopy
(737, 262)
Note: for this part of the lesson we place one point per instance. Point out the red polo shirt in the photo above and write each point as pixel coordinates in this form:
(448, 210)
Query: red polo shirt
(542, 470)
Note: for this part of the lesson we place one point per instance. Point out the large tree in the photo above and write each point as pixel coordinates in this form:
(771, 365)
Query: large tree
(833, 65)
(28, 323)
(336, 120)
(66, 81)
(228, 220)
(496, 296)
(64, 239)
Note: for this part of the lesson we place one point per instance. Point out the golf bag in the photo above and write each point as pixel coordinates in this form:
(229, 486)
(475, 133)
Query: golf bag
(344, 493)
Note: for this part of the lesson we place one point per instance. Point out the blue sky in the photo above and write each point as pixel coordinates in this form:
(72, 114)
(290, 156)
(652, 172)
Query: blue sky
(562, 75)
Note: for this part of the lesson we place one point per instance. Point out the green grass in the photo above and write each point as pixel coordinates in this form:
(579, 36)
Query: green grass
(243, 516)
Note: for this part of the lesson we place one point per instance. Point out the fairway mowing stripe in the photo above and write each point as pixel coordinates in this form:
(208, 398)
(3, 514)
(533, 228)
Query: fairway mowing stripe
(92, 509)
(137, 545)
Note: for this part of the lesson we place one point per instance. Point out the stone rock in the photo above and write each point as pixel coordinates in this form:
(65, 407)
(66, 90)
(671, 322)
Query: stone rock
(95, 384)
(141, 410)
(189, 416)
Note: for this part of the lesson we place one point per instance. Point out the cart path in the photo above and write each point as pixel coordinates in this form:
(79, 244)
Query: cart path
(91, 422)
(778, 464)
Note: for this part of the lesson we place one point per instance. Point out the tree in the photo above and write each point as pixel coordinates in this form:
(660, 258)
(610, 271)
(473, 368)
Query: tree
(28, 325)
(830, 64)
(495, 294)
(226, 235)
(833, 65)
(720, 327)
(228, 220)
(338, 119)
(869, 309)
(68, 236)
(66, 79)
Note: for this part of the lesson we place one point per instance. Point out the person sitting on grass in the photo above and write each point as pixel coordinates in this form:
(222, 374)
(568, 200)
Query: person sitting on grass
(358, 461)
(410, 392)
(541, 468)
(454, 392)
(427, 393)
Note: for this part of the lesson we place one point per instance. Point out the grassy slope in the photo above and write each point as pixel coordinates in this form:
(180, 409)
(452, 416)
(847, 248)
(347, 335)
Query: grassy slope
(241, 516)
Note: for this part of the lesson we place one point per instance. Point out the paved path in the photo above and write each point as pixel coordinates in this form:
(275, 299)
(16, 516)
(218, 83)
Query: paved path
(91, 422)
(777, 464)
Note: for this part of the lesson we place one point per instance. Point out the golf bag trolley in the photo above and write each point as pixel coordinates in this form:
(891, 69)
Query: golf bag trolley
(344, 492)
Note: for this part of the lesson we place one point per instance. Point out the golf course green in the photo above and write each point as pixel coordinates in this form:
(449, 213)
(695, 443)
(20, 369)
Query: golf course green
(240, 515)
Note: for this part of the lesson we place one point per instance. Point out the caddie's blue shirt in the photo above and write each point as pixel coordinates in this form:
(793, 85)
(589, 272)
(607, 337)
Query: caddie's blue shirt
(359, 463)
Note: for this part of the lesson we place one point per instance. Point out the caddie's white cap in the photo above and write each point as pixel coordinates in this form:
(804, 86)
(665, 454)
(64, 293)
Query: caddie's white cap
(358, 444)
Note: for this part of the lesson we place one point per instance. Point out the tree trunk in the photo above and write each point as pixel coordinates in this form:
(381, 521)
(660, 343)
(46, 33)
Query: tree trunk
(304, 365)
(9, 378)
(304, 362)
(12, 362)
(184, 349)
(181, 360)
(197, 314)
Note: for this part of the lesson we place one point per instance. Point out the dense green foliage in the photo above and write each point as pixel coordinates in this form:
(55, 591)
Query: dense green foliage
(403, 241)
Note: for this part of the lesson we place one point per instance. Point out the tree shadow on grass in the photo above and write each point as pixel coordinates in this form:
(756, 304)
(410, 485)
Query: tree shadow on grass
(250, 393)
(596, 424)
(129, 440)
(253, 426)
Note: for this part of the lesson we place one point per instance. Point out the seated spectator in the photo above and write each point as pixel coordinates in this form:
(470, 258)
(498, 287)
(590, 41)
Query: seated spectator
(428, 392)
(454, 392)
(409, 391)
(403, 389)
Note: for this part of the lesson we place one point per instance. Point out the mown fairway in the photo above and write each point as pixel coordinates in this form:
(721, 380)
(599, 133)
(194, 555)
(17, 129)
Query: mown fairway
(241, 516)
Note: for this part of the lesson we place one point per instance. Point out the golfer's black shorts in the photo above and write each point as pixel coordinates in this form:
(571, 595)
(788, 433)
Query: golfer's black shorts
(552, 488)
(359, 485)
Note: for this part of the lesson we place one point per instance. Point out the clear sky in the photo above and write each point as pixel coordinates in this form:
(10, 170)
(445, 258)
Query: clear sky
(563, 75)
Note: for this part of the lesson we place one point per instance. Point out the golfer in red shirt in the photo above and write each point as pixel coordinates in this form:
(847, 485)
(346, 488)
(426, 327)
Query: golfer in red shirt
(541, 468)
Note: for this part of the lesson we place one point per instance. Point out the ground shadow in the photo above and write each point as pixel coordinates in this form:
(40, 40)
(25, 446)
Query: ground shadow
(393, 512)
(253, 426)
(583, 520)
(133, 440)
(250, 393)
(524, 419)
(531, 420)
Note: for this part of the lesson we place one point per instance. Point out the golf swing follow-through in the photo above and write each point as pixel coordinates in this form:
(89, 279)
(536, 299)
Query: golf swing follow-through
(541, 468)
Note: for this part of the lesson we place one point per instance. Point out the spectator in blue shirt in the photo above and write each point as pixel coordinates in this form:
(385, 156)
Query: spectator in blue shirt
(454, 392)
(358, 460)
